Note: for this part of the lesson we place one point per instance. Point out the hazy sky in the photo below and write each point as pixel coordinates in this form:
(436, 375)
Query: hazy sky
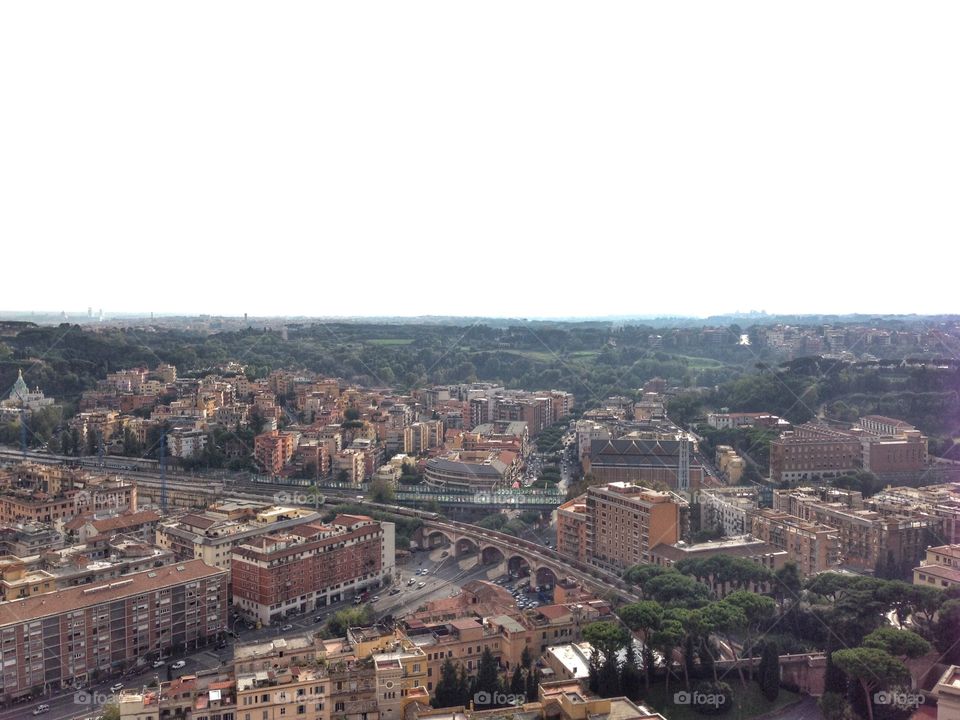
(497, 158)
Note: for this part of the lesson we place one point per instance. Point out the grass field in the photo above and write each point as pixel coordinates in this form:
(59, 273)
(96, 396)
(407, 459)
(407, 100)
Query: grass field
(748, 702)
(389, 341)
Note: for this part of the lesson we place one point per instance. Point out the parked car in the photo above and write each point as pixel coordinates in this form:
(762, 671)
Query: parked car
(179, 664)
(41, 709)
(116, 688)
(394, 591)
(411, 581)
(159, 663)
(318, 619)
(421, 584)
(286, 628)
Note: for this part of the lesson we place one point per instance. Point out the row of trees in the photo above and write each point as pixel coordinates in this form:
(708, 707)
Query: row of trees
(487, 689)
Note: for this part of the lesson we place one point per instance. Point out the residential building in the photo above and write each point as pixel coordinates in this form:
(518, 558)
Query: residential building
(212, 535)
(308, 566)
(727, 509)
(190, 697)
(58, 639)
(572, 529)
(812, 451)
(811, 546)
(625, 521)
(867, 537)
(283, 693)
(728, 420)
(941, 569)
(273, 450)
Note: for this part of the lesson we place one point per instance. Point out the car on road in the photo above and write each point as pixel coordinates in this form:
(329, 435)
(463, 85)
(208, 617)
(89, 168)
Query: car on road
(116, 688)
(375, 598)
(411, 581)
(318, 619)
(159, 663)
(179, 664)
(421, 584)
(41, 709)
(286, 628)
(394, 591)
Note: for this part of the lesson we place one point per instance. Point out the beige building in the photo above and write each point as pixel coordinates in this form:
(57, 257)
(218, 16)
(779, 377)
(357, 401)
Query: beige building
(947, 691)
(212, 535)
(625, 521)
(812, 546)
(941, 569)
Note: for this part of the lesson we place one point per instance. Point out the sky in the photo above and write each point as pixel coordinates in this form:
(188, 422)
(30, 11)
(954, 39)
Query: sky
(498, 159)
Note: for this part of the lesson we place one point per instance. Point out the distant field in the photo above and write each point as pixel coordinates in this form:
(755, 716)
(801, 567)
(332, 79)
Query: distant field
(699, 362)
(389, 341)
(547, 356)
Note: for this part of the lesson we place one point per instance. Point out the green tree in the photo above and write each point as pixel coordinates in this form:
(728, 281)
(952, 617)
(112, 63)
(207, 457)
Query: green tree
(533, 685)
(834, 706)
(382, 491)
(758, 611)
(110, 711)
(517, 683)
(526, 659)
(488, 674)
(666, 639)
(872, 669)
(768, 673)
(644, 617)
(947, 630)
(447, 692)
(899, 643)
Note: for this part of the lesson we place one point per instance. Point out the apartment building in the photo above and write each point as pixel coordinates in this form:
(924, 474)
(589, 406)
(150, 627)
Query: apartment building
(812, 546)
(728, 509)
(284, 692)
(939, 503)
(308, 566)
(625, 521)
(867, 537)
(572, 529)
(212, 535)
(273, 449)
(941, 569)
(812, 451)
(55, 640)
(22, 577)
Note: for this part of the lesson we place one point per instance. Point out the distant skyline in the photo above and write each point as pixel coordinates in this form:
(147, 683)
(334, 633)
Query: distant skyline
(515, 160)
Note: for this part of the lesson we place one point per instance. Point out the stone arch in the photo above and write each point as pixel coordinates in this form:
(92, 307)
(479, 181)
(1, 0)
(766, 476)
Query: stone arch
(437, 538)
(491, 555)
(546, 576)
(518, 566)
(465, 546)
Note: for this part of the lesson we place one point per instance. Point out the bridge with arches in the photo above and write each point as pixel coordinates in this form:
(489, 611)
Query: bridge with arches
(522, 557)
